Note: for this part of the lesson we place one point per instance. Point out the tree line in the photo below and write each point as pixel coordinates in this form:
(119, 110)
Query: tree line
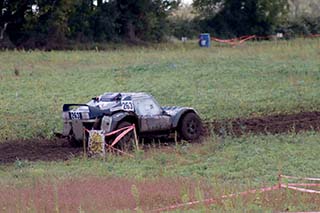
(53, 23)
(58, 24)
(235, 18)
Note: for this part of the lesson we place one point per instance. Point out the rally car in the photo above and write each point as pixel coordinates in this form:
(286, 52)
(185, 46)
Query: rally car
(112, 111)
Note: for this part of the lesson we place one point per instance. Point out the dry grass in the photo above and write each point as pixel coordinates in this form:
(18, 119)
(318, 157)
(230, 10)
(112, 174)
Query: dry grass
(101, 194)
(119, 194)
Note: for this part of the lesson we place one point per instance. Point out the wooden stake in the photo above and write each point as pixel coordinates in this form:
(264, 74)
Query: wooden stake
(279, 180)
(279, 176)
(176, 137)
(135, 136)
(84, 144)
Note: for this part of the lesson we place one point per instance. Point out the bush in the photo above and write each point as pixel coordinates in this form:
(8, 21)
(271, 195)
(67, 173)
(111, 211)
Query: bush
(184, 28)
(302, 26)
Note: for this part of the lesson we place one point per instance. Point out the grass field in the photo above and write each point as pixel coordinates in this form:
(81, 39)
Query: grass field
(169, 175)
(221, 82)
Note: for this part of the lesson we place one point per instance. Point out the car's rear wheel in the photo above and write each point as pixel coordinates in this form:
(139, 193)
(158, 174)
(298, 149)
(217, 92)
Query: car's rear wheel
(126, 143)
(74, 142)
(190, 127)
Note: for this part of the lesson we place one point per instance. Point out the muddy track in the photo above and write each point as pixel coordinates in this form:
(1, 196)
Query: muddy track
(37, 150)
(59, 149)
(272, 124)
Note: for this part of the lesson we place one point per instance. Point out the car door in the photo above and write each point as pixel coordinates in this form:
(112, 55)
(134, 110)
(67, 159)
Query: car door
(151, 116)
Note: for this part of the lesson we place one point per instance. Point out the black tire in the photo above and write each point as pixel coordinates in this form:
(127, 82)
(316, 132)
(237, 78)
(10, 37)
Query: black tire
(190, 127)
(78, 143)
(74, 142)
(127, 142)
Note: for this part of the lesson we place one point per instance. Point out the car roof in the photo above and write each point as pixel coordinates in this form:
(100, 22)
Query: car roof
(127, 95)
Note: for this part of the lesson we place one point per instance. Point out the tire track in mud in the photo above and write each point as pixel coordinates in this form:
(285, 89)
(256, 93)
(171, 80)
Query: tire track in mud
(60, 149)
(271, 124)
(37, 150)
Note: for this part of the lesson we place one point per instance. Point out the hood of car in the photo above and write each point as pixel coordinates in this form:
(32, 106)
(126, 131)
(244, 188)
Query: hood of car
(173, 110)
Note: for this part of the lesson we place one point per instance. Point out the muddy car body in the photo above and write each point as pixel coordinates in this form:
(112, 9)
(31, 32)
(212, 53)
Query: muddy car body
(111, 111)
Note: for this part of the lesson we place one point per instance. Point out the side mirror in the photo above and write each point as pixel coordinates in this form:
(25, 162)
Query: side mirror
(164, 112)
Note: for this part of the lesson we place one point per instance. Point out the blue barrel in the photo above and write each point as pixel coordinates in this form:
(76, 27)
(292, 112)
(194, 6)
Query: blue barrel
(204, 40)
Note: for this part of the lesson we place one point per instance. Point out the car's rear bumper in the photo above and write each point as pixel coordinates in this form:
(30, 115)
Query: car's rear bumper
(75, 128)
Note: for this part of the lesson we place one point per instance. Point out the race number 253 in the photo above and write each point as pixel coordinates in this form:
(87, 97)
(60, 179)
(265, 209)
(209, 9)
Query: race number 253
(127, 105)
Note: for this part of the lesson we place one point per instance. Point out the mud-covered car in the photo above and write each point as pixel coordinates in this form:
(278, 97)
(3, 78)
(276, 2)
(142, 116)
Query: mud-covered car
(112, 111)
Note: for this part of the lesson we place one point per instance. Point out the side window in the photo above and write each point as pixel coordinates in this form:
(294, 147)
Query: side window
(146, 106)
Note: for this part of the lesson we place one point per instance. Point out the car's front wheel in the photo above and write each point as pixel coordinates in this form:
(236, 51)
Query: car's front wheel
(190, 127)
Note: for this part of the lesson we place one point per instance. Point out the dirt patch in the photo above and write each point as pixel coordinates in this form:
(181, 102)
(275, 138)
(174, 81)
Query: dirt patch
(60, 149)
(273, 124)
(37, 149)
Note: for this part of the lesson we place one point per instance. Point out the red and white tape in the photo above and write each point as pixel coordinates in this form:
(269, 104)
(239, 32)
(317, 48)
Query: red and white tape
(122, 134)
(299, 178)
(124, 131)
(242, 39)
(288, 186)
(292, 186)
(234, 41)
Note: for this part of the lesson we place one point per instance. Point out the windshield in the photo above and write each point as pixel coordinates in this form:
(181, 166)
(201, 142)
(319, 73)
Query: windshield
(147, 106)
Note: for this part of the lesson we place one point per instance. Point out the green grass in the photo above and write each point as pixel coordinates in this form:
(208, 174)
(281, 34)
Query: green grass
(257, 159)
(220, 82)
(228, 165)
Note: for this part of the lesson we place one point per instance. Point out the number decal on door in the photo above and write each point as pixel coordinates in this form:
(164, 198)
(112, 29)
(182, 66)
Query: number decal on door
(127, 105)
